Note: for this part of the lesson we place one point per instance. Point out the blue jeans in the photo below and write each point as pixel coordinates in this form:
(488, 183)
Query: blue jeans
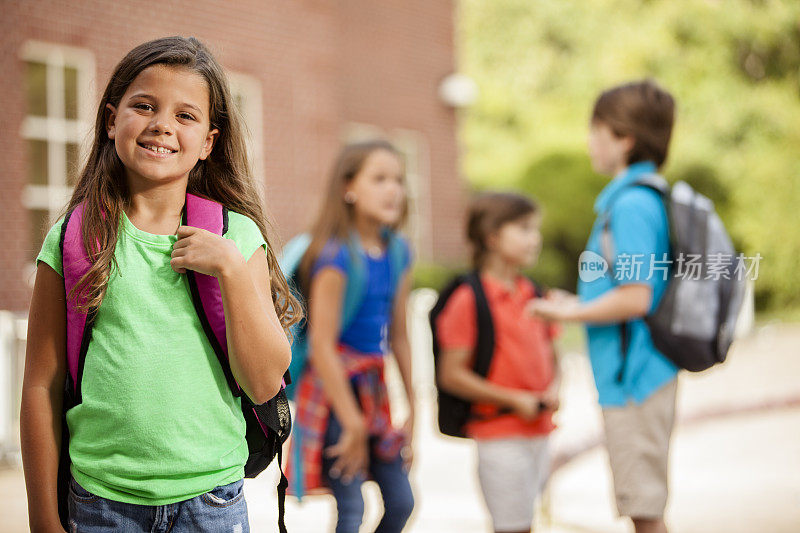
(392, 479)
(220, 510)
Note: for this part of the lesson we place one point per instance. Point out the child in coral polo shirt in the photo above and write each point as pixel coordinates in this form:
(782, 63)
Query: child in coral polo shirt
(512, 406)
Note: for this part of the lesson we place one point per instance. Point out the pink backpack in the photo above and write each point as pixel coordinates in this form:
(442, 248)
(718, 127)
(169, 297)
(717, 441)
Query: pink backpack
(268, 424)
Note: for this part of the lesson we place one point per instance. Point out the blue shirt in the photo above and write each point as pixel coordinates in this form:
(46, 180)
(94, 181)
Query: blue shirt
(368, 332)
(640, 236)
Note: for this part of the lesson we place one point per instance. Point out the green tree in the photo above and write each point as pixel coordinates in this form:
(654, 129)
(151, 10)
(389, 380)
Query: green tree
(733, 66)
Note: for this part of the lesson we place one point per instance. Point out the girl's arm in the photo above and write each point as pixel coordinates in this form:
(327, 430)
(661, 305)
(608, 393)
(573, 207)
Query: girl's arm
(42, 396)
(258, 348)
(456, 377)
(324, 305)
(398, 336)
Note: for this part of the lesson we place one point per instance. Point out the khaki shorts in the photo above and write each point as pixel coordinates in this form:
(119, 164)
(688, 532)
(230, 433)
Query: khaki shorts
(637, 439)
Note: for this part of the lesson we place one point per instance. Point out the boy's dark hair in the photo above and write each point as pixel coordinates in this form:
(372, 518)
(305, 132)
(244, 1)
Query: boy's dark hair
(488, 212)
(642, 110)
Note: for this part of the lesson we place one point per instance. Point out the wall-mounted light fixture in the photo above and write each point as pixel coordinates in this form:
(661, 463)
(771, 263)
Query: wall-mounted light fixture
(458, 90)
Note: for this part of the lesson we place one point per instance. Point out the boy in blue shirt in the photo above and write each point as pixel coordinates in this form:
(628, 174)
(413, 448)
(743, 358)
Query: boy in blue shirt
(636, 384)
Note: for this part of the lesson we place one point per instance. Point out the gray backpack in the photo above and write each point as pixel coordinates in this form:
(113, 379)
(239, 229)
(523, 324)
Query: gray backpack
(694, 322)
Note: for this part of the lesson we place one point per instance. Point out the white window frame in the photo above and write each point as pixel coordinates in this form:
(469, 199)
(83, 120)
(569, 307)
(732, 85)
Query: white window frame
(249, 89)
(55, 129)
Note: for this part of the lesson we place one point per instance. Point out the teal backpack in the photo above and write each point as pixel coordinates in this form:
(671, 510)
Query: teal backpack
(355, 289)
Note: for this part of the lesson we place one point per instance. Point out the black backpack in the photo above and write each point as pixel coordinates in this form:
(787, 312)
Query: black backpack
(454, 412)
(694, 322)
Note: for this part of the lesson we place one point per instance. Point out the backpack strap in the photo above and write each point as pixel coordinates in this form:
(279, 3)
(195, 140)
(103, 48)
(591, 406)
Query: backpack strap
(205, 290)
(654, 181)
(356, 284)
(399, 260)
(75, 264)
(609, 254)
(454, 411)
(289, 262)
(398, 257)
(607, 247)
(484, 338)
(441, 302)
(484, 342)
(283, 484)
(651, 181)
(292, 254)
(660, 185)
(357, 272)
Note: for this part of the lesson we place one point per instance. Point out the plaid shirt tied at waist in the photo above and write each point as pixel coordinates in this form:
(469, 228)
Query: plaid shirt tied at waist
(304, 462)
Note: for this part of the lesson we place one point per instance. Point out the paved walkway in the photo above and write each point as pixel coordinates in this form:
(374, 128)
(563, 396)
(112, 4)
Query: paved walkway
(735, 464)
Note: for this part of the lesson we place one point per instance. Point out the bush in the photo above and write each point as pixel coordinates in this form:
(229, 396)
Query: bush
(734, 68)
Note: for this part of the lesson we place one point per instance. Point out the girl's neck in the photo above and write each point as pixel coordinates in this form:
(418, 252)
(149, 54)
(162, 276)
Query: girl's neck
(501, 270)
(369, 231)
(158, 209)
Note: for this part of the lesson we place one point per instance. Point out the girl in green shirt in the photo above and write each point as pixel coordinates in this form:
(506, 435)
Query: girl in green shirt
(158, 438)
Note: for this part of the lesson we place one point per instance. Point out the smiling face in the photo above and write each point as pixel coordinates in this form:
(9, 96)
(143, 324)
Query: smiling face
(161, 127)
(379, 188)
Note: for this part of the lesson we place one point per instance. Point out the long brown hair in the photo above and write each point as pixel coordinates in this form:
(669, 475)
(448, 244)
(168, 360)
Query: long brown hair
(487, 213)
(224, 176)
(335, 217)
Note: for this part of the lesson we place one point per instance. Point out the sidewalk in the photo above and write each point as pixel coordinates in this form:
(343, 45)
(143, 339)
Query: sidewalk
(735, 464)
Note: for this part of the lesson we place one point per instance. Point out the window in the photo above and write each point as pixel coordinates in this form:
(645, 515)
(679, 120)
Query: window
(414, 149)
(412, 145)
(246, 93)
(56, 128)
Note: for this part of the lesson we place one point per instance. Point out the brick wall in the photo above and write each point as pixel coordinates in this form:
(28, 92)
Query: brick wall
(321, 65)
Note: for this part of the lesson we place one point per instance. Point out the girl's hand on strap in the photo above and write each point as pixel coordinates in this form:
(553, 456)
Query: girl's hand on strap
(205, 252)
(351, 452)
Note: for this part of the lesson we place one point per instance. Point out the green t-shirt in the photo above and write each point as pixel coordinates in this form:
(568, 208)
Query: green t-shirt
(158, 423)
